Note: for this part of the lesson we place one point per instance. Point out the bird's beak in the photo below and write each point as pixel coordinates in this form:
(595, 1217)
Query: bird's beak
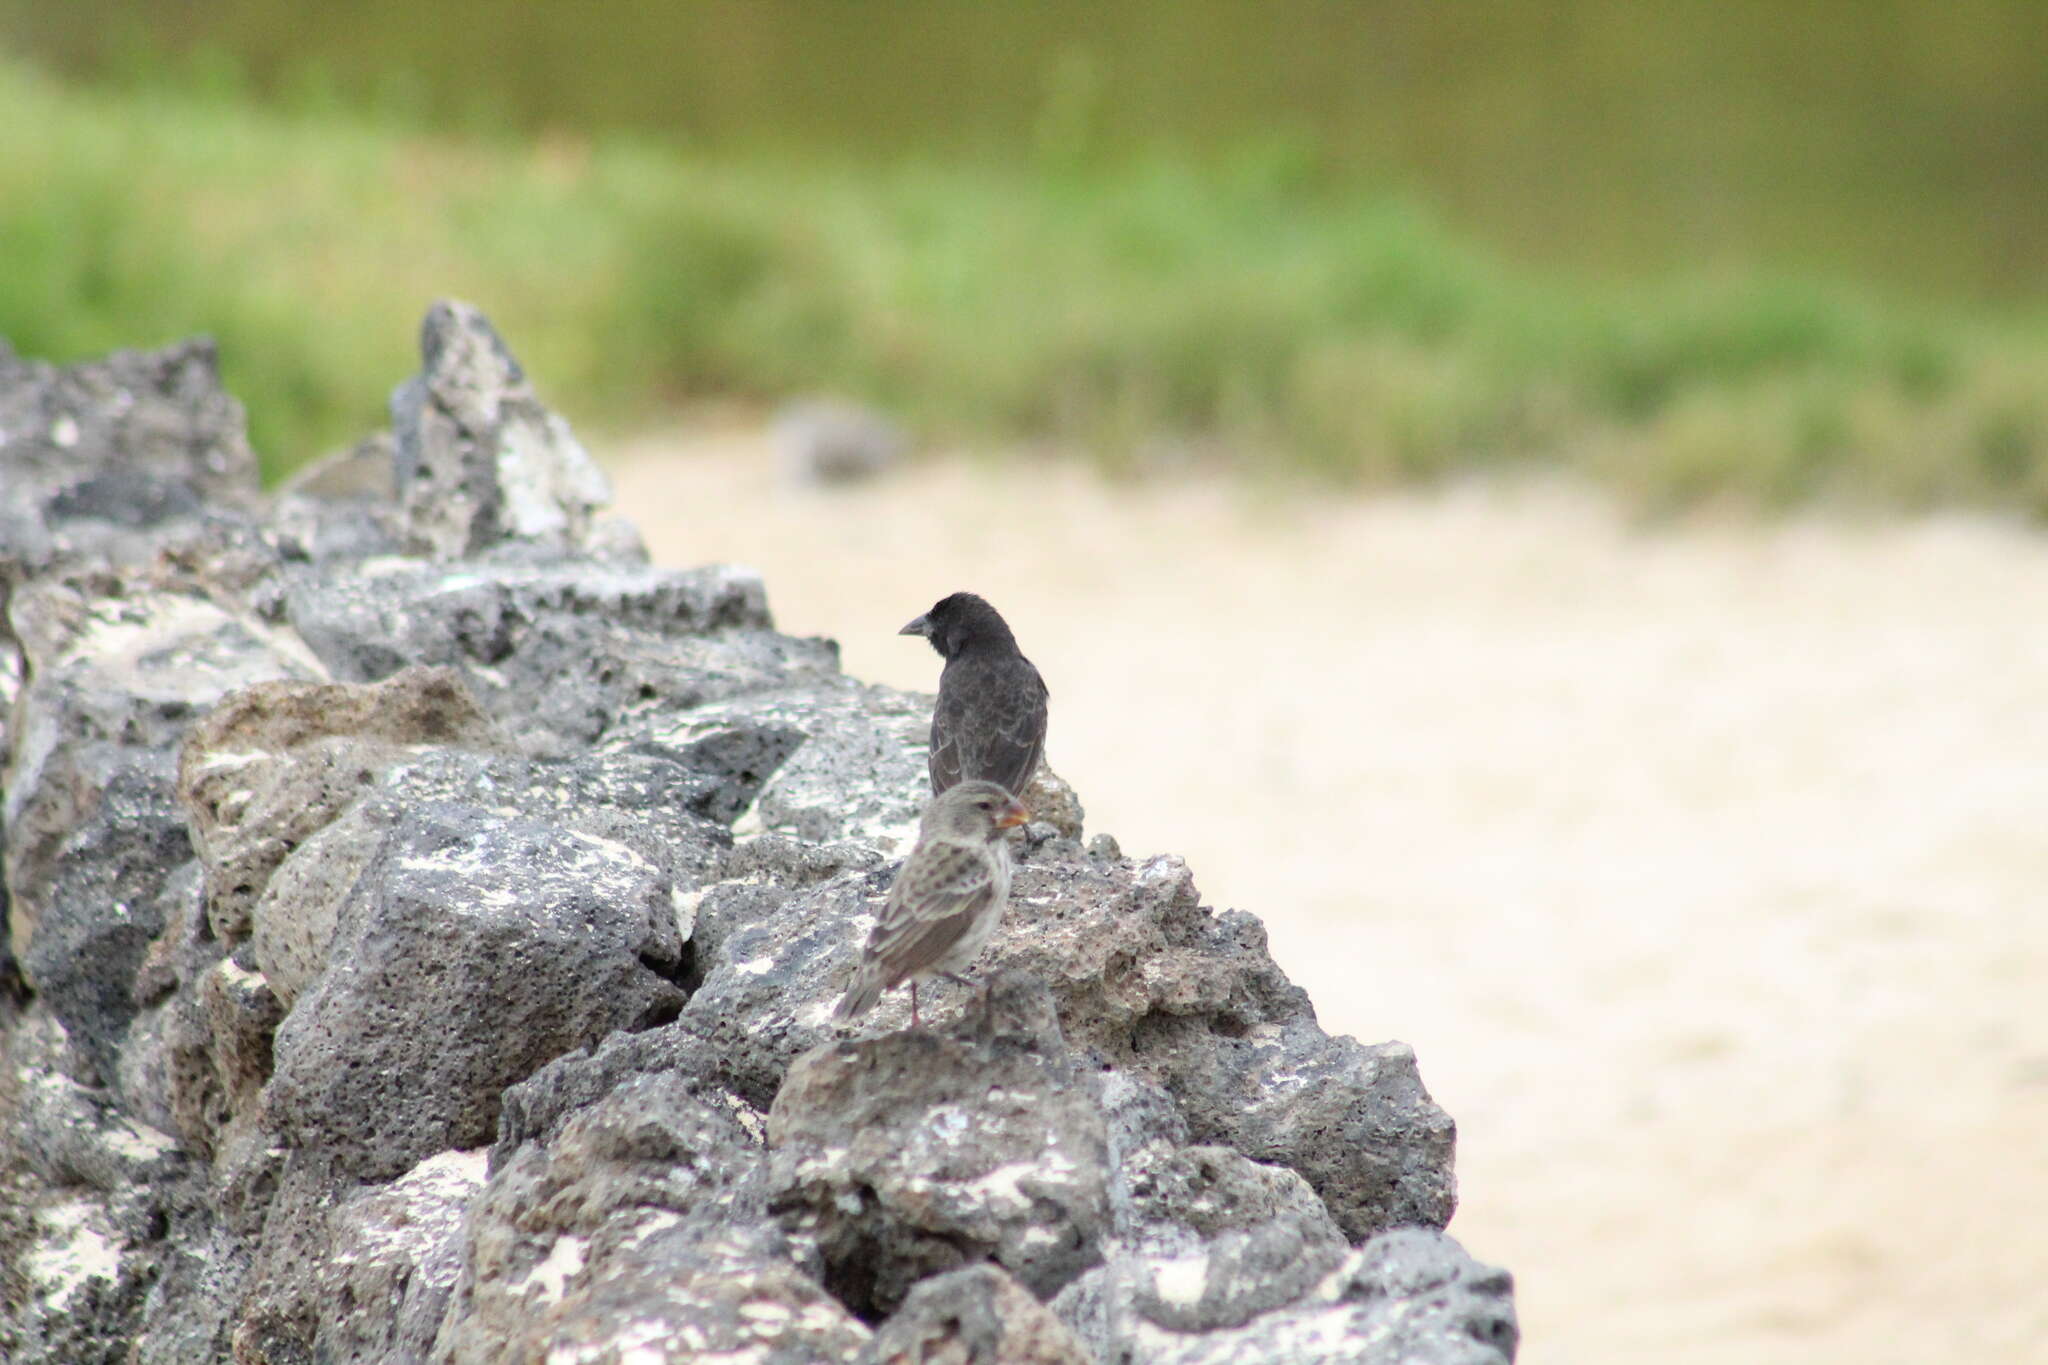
(921, 626)
(1013, 815)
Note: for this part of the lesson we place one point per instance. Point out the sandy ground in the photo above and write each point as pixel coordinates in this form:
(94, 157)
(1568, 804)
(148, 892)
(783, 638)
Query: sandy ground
(1705, 867)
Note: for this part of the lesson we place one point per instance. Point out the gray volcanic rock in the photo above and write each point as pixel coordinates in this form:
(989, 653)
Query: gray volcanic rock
(470, 951)
(83, 1191)
(559, 652)
(642, 805)
(1407, 1295)
(189, 1313)
(104, 465)
(1217, 1239)
(686, 1298)
(1144, 976)
(847, 758)
(119, 666)
(479, 460)
(772, 964)
(535, 1109)
(295, 791)
(1202, 1237)
(974, 1316)
(909, 1154)
(340, 508)
(107, 461)
(275, 762)
(1054, 805)
(396, 1254)
(430, 918)
(646, 1206)
(76, 1281)
(1151, 979)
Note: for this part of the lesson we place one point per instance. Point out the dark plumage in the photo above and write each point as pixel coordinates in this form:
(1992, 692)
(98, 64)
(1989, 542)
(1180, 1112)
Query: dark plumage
(946, 901)
(989, 724)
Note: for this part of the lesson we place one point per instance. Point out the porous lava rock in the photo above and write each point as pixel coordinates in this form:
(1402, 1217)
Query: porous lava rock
(424, 918)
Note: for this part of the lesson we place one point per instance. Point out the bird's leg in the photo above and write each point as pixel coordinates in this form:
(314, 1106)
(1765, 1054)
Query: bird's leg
(913, 1005)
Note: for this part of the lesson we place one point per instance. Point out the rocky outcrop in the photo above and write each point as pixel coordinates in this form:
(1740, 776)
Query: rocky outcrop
(423, 922)
(901, 1156)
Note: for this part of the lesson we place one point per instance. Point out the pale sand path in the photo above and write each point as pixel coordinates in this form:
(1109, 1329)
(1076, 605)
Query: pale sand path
(1706, 868)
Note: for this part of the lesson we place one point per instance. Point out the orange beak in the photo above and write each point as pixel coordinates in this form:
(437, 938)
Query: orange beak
(1013, 815)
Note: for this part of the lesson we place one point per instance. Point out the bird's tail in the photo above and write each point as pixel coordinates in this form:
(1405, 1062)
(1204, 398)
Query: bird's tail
(861, 996)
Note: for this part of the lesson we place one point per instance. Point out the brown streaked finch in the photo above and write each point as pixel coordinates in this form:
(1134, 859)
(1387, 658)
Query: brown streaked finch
(947, 900)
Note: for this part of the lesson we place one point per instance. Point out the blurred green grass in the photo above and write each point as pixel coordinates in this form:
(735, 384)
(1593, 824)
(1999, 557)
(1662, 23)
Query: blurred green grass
(1241, 310)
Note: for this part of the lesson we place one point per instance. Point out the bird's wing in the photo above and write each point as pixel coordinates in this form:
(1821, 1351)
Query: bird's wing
(1017, 742)
(948, 716)
(989, 723)
(939, 935)
(936, 897)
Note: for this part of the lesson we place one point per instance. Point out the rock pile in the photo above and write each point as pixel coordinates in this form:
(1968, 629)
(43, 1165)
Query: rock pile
(424, 919)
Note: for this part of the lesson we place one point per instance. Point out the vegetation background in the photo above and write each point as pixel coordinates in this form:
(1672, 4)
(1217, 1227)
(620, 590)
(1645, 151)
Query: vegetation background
(1765, 248)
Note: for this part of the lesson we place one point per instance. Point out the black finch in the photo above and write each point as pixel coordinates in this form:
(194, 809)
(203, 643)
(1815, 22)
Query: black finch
(989, 724)
(947, 900)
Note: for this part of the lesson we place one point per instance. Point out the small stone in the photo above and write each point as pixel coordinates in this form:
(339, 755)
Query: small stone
(979, 1314)
(826, 442)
